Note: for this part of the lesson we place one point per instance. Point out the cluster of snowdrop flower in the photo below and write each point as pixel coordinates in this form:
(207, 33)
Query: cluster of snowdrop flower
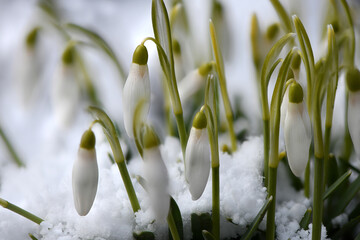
(295, 106)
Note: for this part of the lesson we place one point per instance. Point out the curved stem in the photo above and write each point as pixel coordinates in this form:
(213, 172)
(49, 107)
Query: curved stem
(11, 149)
(172, 226)
(266, 150)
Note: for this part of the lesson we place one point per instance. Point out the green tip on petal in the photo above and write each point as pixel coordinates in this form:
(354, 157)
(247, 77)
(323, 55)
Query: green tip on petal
(296, 94)
(353, 79)
(290, 75)
(335, 25)
(272, 31)
(68, 55)
(176, 46)
(205, 69)
(32, 37)
(295, 64)
(140, 55)
(150, 138)
(88, 140)
(218, 8)
(200, 121)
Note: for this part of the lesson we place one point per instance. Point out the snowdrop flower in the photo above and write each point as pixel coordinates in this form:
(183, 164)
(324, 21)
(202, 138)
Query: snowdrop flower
(156, 174)
(297, 130)
(136, 89)
(353, 84)
(197, 157)
(65, 90)
(85, 174)
(29, 68)
(193, 81)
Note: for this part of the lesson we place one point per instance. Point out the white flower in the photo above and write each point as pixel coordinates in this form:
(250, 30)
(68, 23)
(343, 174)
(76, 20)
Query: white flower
(353, 83)
(297, 131)
(197, 157)
(85, 174)
(155, 172)
(136, 89)
(193, 81)
(65, 91)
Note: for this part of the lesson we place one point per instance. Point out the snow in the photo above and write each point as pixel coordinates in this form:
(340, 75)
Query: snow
(43, 187)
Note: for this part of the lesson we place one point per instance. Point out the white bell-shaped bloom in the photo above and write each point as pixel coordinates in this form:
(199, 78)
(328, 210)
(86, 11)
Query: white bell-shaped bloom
(28, 69)
(65, 90)
(284, 107)
(193, 81)
(353, 84)
(85, 174)
(136, 90)
(156, 174)
(297, 131)
(197, 157)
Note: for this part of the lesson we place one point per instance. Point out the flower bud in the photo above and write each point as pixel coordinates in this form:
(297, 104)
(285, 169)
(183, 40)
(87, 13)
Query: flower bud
(85, 174)
(136, 89)
(297, 130)
(197, 157)
(353, 84)
(155, 172)
(194, 81)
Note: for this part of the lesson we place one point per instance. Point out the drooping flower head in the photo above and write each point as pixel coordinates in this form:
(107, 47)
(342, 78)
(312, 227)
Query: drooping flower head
(85, 174)
(353, 84)
(136, 89)
(65, 90)
(155, 172)
(297, 130)
(197, 157)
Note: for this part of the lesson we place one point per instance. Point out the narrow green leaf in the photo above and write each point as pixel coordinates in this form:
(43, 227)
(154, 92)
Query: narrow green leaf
(285, 19)
(207, 235)
(336, 184)
(200, 222)
(11, 149)
(32, 237)
(145, 235)
(259, 217)
(161, 26)
(268, 68)
(100, 42)
(111, 158)
(175, 213)
(110, 132)
(349, 194)
(304, 223)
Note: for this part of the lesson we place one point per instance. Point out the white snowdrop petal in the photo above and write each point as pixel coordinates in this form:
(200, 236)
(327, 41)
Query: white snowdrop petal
(85, 180)
(354, 119)
(197, 161)
(297, 138)
(65, 95)
(284, 107)
(156, 174)
(136, 89)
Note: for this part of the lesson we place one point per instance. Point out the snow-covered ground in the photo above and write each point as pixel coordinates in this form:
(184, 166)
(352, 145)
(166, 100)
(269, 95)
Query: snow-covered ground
(43, 187)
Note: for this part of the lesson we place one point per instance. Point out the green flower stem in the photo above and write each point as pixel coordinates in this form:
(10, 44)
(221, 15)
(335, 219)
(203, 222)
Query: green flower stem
(172, 227)
(347, 147)
(307, 180)
(20, 211)
(326, 153)
(351, 58)
(11, 149)
(270, 223)
(174, 94)
(223, 88)
(318, 200)
(266, 123)
(216, 201)
(128, 185)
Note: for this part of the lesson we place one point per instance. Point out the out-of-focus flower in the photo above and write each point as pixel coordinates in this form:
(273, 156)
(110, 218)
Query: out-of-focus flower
(197, 157)
(29, 68)
(297, 130)
(65, 88)
(193, 81)
(353, 84)
(85, 174)
(155, 172)
(136, 89)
